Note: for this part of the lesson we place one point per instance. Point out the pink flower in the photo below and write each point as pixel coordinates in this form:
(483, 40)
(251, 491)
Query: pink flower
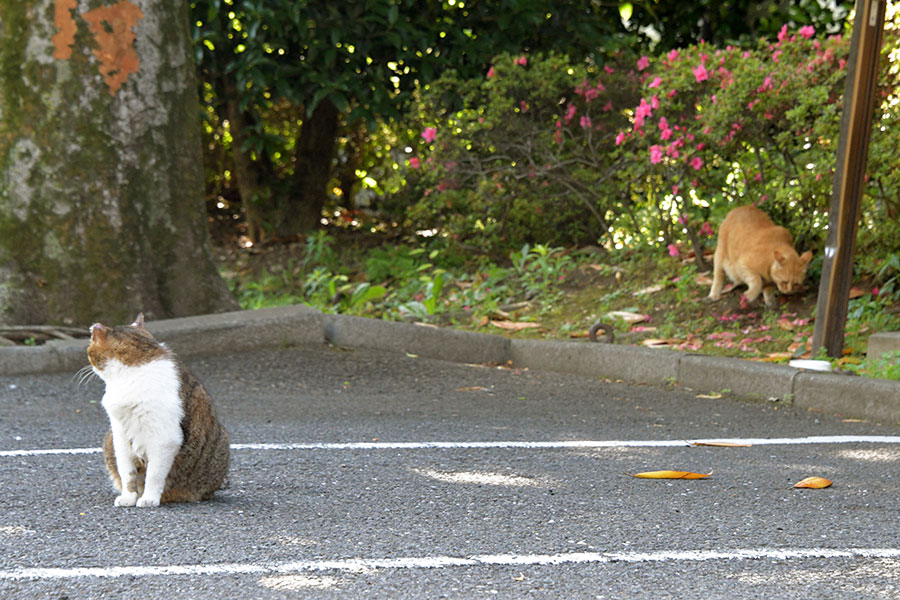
(429, 133)
(570, 112)
(642, 112)
(521, 61)
(608, 106)
(609, 70)
(807, 31)
(706, 229)
(414, 162)
(643, 62)
(776, 56)
(654, 102)
(656, 154)
(700, 73)
(674, 190)
(697, 163)
(663, 124)
(620, 138)
(490, 72)
(585, 122)
(665, 134)
(782, 35)
(683, 220)
(673, 250)
(672, 55)
(656, 82)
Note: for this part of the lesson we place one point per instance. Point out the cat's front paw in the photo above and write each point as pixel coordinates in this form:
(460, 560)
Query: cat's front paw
(126, 499)
(145, 501)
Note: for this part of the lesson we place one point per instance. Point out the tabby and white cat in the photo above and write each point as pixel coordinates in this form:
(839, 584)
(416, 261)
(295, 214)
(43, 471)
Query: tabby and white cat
(165, 443)
(751, 249)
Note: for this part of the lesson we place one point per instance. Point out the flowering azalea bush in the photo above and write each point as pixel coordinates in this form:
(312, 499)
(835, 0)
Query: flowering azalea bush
(525, 156)
(648, 149)
(717, 128)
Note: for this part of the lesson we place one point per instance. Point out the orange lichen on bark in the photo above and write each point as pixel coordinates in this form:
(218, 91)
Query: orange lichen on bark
(65, 26)
(112, 27)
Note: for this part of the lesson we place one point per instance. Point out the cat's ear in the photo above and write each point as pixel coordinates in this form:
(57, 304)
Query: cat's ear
(779, 257)
(138, 321)
(806, 257)
(98, 332)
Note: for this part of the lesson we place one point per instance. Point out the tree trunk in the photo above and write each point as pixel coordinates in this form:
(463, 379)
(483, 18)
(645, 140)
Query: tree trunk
(301, 213)
(101, 210)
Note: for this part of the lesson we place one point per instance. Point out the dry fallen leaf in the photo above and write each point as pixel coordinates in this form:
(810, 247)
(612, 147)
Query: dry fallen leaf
(815, 483)
(660, 342)
(648, 290)
(703, 279)
(709, 396)
(668, 475)
(856, 292)
(515, 325)
(629, 317)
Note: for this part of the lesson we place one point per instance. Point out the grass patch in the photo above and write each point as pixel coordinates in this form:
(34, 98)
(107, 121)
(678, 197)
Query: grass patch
(543, 292)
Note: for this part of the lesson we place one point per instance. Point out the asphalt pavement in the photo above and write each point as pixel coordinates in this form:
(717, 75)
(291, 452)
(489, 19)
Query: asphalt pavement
(382, 473)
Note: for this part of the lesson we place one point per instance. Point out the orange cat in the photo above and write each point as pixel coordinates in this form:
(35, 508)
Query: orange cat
(753, 250)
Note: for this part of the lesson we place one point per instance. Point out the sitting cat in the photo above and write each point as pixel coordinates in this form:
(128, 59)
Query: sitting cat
(753, 250)
(165, 443)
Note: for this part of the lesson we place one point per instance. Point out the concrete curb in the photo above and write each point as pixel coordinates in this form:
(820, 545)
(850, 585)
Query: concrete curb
(608, 361)
(300, 325)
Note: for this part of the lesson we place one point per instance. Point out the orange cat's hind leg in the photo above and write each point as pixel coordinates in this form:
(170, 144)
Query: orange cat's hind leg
(715, 292)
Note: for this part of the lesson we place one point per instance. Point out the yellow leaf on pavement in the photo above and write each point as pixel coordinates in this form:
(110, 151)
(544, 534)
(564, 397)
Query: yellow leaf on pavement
(722, 444)
(815, 483)
(668, 475)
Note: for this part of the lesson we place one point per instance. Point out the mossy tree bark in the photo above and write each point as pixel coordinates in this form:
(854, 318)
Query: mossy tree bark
(101, 211)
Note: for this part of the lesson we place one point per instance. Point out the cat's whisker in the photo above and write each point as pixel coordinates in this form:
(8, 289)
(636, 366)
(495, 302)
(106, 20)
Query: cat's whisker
(84, 375)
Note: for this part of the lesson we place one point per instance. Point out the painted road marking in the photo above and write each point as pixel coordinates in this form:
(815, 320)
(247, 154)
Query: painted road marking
(578, 444)
(357, 565)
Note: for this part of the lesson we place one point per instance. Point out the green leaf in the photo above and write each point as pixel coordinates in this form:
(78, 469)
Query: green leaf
(366, 292)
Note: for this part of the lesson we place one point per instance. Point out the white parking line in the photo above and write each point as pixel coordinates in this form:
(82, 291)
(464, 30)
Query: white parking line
(357, 565)
(581, 444)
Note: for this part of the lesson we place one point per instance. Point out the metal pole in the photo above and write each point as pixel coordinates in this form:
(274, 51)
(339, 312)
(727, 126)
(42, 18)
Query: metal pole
(849, 177)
